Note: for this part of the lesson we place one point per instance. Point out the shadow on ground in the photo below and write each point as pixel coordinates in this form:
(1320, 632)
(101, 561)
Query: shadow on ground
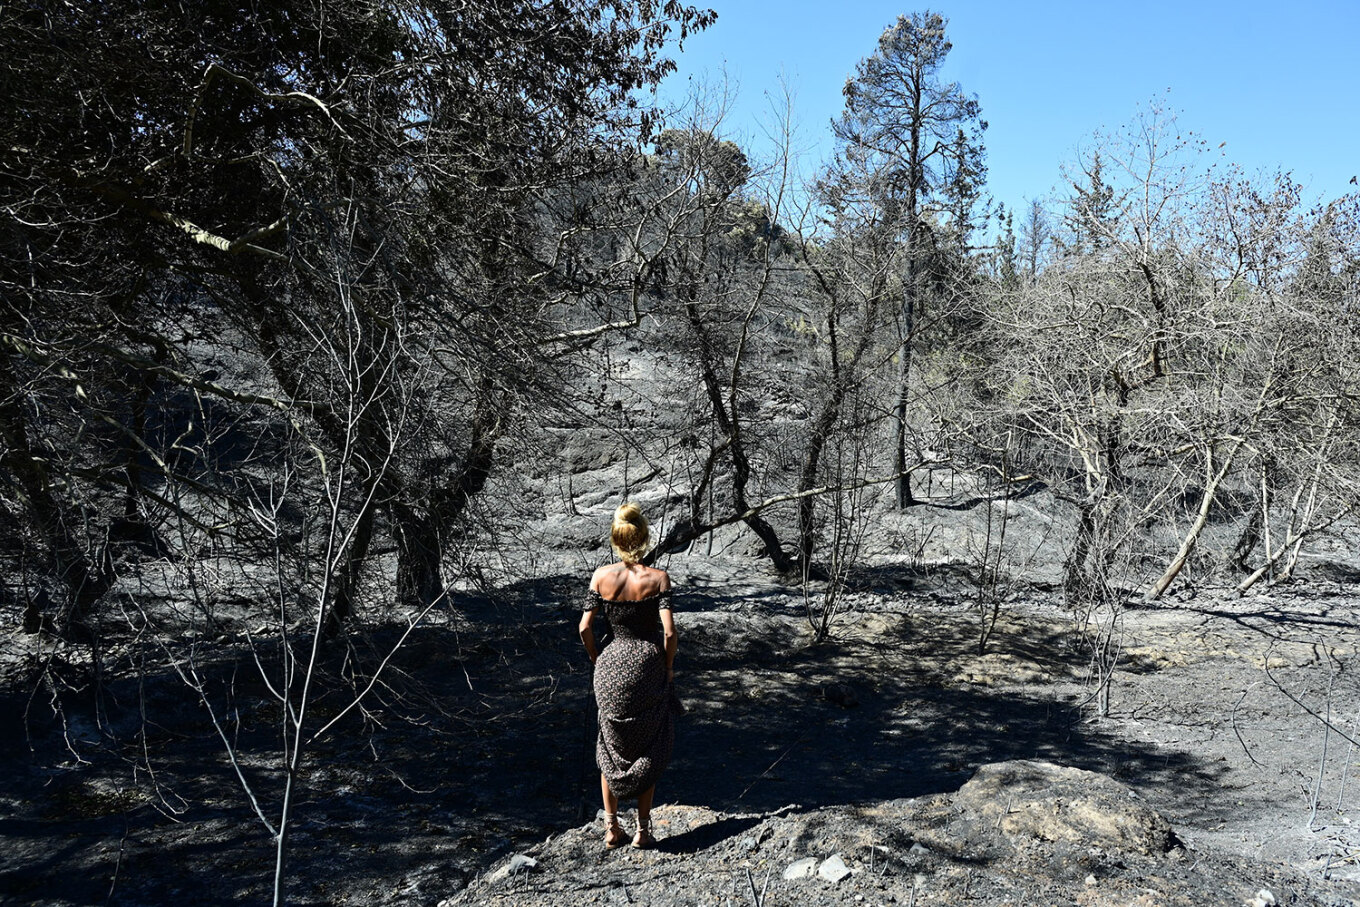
(481, 740)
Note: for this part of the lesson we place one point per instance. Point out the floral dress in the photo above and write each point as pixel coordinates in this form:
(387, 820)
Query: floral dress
(637, 704)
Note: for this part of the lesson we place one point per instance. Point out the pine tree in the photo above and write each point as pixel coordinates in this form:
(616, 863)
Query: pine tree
(1005, 254)
(1035, 237)
(914, 143)
(1093, 211)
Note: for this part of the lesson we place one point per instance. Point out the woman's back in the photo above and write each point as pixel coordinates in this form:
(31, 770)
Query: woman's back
(624, 582)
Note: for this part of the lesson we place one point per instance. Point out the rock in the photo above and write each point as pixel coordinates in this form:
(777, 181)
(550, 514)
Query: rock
(801, 869)
(518, 864)
(833, 869)
(1054, 803)
(1263, 898)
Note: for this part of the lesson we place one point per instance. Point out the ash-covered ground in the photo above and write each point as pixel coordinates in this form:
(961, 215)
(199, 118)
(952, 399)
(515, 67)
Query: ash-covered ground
(1213, 780)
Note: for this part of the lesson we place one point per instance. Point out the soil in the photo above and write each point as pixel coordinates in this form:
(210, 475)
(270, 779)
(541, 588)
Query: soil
(477, 752)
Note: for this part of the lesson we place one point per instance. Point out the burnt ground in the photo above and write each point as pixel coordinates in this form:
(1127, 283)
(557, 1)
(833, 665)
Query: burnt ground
(480, 747)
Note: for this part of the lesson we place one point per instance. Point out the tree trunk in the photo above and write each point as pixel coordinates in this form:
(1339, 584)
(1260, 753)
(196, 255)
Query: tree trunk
(422, 533)
(822, 427)
(347, 583)
(132, 453)
(1076, 582)
(730, 427)
(1302, 520)
(419, 556)
(1247, 541)
(905, 498)
(812, 457)
(1290, 543)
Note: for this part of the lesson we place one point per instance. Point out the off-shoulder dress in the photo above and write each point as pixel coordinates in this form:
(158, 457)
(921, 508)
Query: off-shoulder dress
(636, 702)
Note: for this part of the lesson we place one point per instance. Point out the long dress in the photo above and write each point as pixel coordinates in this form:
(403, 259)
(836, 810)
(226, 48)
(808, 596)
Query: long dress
(636, 702)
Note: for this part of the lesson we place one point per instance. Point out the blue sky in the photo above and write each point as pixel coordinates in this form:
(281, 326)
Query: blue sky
(1279, 84)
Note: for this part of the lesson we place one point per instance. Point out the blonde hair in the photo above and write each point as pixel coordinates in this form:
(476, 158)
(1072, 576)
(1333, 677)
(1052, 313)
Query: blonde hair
(629, 535)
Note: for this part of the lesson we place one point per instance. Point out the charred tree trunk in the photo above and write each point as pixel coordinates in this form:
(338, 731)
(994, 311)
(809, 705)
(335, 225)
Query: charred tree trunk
(1247, 542)
(132, 470)
(905, 498)
(807, 528)
(842, 377)
(730, 427)
(343, 605)
(422, 534)
(419, 555)
(1076, 581)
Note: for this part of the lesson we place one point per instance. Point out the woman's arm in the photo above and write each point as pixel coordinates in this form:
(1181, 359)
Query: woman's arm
(588, 635)
(584, 629)
(672, 641)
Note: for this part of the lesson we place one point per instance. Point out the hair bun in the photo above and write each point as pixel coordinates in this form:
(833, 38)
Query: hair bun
(629, 535)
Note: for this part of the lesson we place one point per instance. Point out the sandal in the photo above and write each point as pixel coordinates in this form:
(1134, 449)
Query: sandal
(613, 834)
(643, 839)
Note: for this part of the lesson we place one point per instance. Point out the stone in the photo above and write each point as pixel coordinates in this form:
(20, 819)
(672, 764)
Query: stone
(801, 869)
(833, 869)
(1264, 898)
(1036, 800)
(517, 865)
(521, 863)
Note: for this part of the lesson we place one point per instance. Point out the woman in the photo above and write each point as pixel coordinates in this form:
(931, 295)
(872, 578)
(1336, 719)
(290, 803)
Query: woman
(634, 675)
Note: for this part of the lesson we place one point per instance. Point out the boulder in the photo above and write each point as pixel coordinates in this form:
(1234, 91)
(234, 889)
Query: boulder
(1041, 801)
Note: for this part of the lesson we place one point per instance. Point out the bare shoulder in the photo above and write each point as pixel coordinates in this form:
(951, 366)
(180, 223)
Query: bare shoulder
(662, 579)
(600, 573)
